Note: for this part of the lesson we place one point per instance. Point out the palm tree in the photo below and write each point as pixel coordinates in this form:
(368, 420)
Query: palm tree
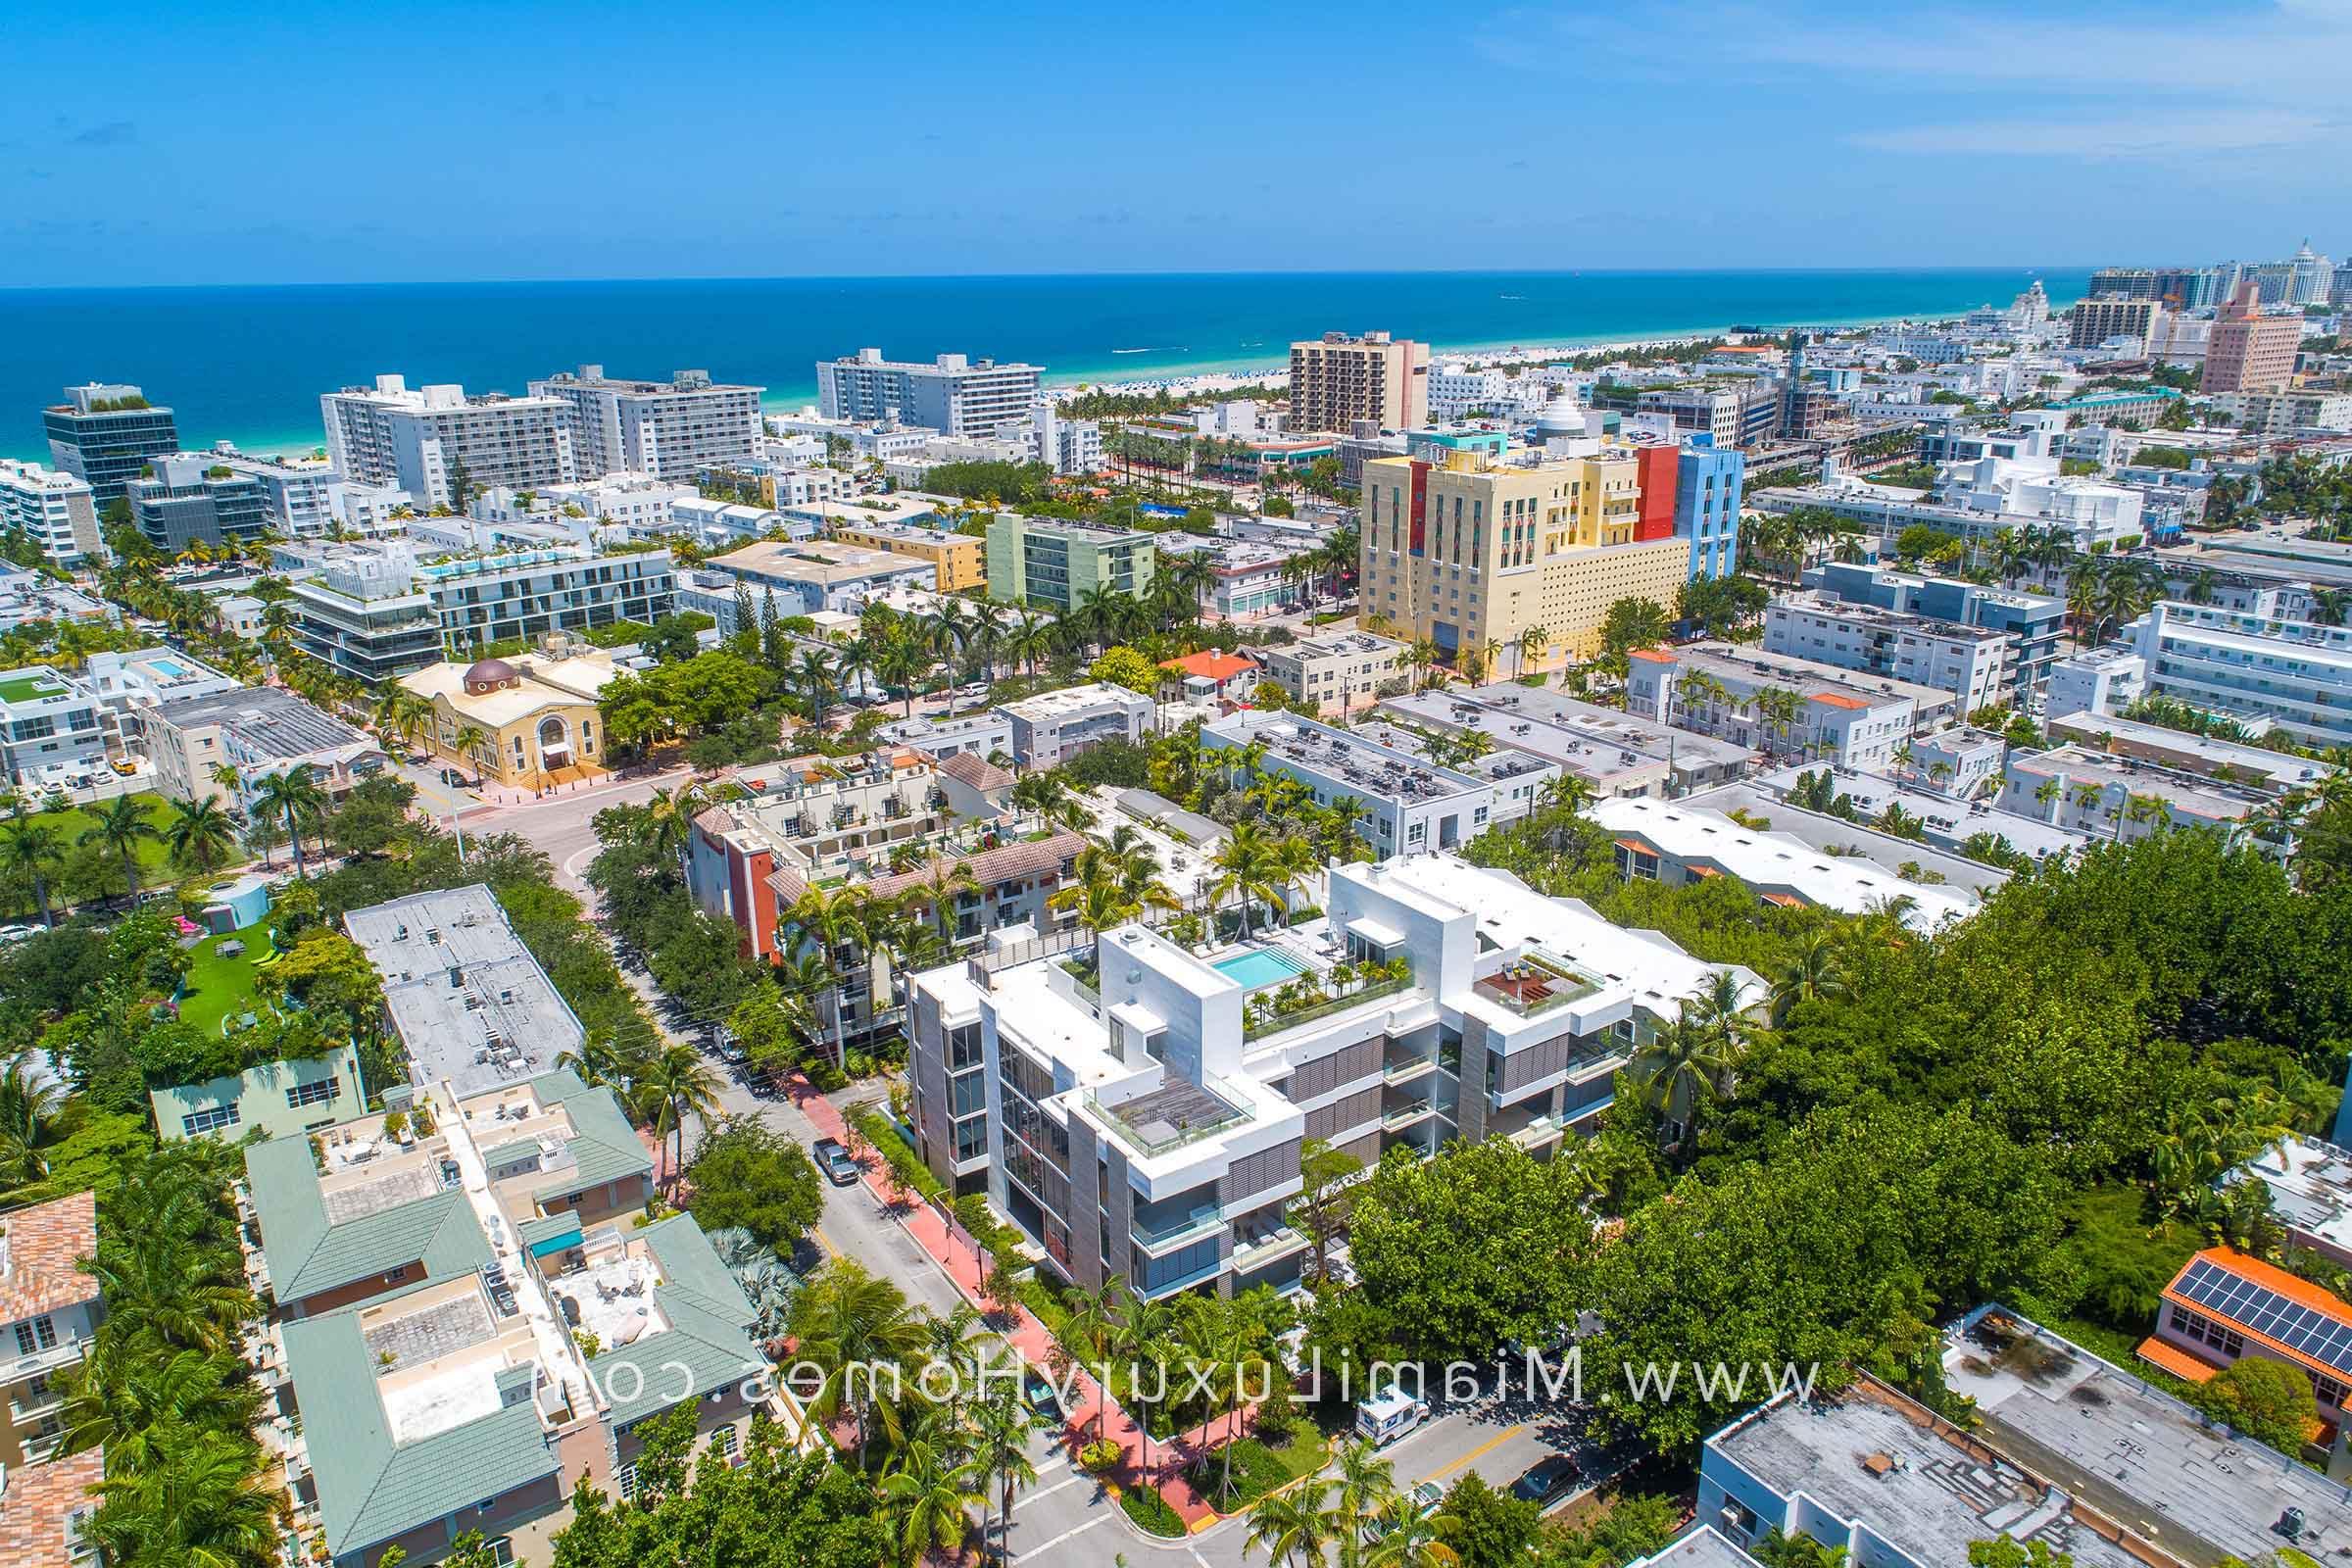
(122, 824)
(1101, 905)
(1532, 644)
(292, 794)
(33, 850)
(814, 674)
(31, 1100)
(675, 1082)
(1416, 1536)
(938, 889)
(139, 1406)
(1294, 1528)
(1814, 973)
(1249, 865)
(845, 1323)
(1029, 641)
(206, 1506)
(165, 1289)
(1366, 1484)
(1001, 1427)
(827, 922)
(928, 1499)
(1681, 1066)
(602, 1062)
(467, 743)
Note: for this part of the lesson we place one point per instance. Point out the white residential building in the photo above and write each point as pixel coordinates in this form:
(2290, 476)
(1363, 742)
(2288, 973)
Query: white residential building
(953, 395)
(52, 729)
(1338, 671)
(2123, 798)
(668, 429)
(635, 501)
(420, 440)
(299, 492)
(1406, 804)
(1857, 721)
(1975, 665)
(1979, 500)
(2295, 673)
(53, 510)
(2284, 414)
(1150, 1125)
(2097, 680)
(1052, 728)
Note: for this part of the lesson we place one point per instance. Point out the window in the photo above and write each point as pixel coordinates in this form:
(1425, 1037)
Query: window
(722, 1443)
(204, 1121)
(317, 1093)
(971, 1137)
(626, 1476)
(37, 1334)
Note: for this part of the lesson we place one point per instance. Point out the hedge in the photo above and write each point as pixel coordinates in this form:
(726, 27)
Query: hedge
(904, 1163)
(1148, 1508)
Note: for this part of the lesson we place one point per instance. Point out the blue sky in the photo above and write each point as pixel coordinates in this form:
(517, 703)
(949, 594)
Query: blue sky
(195, 144)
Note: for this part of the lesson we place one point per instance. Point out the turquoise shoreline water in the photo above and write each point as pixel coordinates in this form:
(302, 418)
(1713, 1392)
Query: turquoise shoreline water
(247, 364)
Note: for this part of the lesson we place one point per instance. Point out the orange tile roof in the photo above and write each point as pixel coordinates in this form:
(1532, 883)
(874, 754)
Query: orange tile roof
(1655, 656)
(1209, 664)
(2270, 1278)
(1836, 699)
(44, 1242)
(40, 1500)
(1786, 901)
(1637, 846)
(2178, 1362)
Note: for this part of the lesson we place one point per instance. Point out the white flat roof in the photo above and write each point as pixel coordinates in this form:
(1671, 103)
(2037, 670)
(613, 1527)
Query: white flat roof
(1848, 884)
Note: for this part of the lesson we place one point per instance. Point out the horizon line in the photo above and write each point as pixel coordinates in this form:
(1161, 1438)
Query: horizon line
(986, 277)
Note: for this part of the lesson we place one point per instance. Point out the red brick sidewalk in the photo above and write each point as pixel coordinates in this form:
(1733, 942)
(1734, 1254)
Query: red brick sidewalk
(1028, 1336)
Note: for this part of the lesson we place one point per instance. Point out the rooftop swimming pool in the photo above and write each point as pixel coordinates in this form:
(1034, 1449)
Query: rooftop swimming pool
(1258, 968)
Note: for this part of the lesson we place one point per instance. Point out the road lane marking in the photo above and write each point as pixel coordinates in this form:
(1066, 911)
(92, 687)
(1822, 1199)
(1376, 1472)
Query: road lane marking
(826, 1242)
(1484, 1447)
(1064, 1536)
(1047, 1491)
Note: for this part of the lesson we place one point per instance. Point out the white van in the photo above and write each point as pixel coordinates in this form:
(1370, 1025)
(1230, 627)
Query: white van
(1383, 1417)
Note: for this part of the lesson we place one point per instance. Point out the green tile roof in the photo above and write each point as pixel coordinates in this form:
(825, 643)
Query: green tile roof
(307, 1254)
(603, 1146)
(371, 1488)
(710, 1332)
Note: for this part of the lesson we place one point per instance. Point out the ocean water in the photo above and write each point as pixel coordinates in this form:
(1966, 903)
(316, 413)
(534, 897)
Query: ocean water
(248, 364)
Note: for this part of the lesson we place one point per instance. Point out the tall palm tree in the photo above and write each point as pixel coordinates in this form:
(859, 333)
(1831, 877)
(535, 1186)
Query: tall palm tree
(31, 1100)
(1294, 1528)
(208, 1505)
(33, 851)
(121, 826)
(139, 1406)
(937, 890)
(1029, 641)
(604, 1061)
(167, 1290)
(675, 1082)
(1249, 865)
(1095, 1323)
(846, 1323)
(467, 743)
(1101, 905)
(1366, 1483)
(1815, 972)
(813, 674)
(1002, 1428)
(928, 1499)
(294, 797)
(1681, 1066)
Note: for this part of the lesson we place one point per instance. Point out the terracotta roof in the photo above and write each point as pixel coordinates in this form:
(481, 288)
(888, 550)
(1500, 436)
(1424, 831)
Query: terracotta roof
(44, 1242)
(1836, 700)
(1655, 656)
(2178, 1362)
(2255, 1271)
(39, 1503)
(990, 866)
(1637, 846)
(971, 768)
(1786, 901)
(1209, 664)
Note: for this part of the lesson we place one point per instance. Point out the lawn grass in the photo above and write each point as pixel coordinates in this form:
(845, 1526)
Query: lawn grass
(151, 854)
(216, 987)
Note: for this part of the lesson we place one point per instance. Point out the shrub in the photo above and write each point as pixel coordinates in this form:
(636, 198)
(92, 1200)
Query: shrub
(1100, 1457)
(1148, 1510)
(904, 1164)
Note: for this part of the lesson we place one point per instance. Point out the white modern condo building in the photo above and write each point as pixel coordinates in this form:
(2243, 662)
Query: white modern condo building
(420, 440)
(2295, 673)
(665, 428)
(1149, 1124)
(953, 395)
(51, 510)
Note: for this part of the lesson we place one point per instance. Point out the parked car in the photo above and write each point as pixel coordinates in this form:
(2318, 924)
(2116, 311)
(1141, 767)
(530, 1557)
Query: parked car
(1547, 1480)
(1039, 1391)
(835, 1161)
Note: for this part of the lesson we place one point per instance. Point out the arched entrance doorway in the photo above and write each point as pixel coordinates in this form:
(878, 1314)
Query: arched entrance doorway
(555, 744)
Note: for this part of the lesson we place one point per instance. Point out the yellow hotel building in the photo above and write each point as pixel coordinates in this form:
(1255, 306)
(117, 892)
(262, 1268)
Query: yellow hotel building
(1482, 547)
(959, 559)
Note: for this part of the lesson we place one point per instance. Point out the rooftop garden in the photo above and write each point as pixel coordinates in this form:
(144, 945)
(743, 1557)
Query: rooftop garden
(1310, 997)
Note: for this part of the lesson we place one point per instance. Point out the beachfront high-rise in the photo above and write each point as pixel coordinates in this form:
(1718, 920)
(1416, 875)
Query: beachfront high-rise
(956, 396)
(1480, 549)
(1338, 379)
(669, 429)
(2250, 352)
(424, 441)
(103, 434)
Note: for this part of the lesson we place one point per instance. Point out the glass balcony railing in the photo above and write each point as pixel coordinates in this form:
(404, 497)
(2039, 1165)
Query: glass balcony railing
(1169, 1228)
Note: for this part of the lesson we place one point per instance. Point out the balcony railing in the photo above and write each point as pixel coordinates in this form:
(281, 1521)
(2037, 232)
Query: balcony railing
(65, 1352)
(1277, 1023)
(1205, 1220)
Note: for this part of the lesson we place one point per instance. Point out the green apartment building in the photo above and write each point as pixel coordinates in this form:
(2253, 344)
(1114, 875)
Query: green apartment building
(1034, 561)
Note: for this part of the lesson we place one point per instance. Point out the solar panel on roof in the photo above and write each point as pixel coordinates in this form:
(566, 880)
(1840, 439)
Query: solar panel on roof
(2240, 1300)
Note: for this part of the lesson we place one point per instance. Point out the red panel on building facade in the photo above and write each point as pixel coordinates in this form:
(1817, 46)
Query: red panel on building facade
(1655, 467)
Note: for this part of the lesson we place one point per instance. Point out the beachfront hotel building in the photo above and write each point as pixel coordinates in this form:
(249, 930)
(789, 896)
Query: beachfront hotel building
(953, 395)
(53, 510)
(1338, 379)
(669, 429)
(1475, 550)
(419, 440)
(103, 436)
(1147, 1123)
(1054, 565)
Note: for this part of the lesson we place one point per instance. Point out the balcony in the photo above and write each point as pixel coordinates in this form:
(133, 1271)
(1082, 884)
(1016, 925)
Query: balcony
(1533, 983)
(65, 1352)
(1406, 1069)
(1172, 1231)
(38, 1405)
(1538, 1132)
(1400, 1117)
(1270, 1248)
